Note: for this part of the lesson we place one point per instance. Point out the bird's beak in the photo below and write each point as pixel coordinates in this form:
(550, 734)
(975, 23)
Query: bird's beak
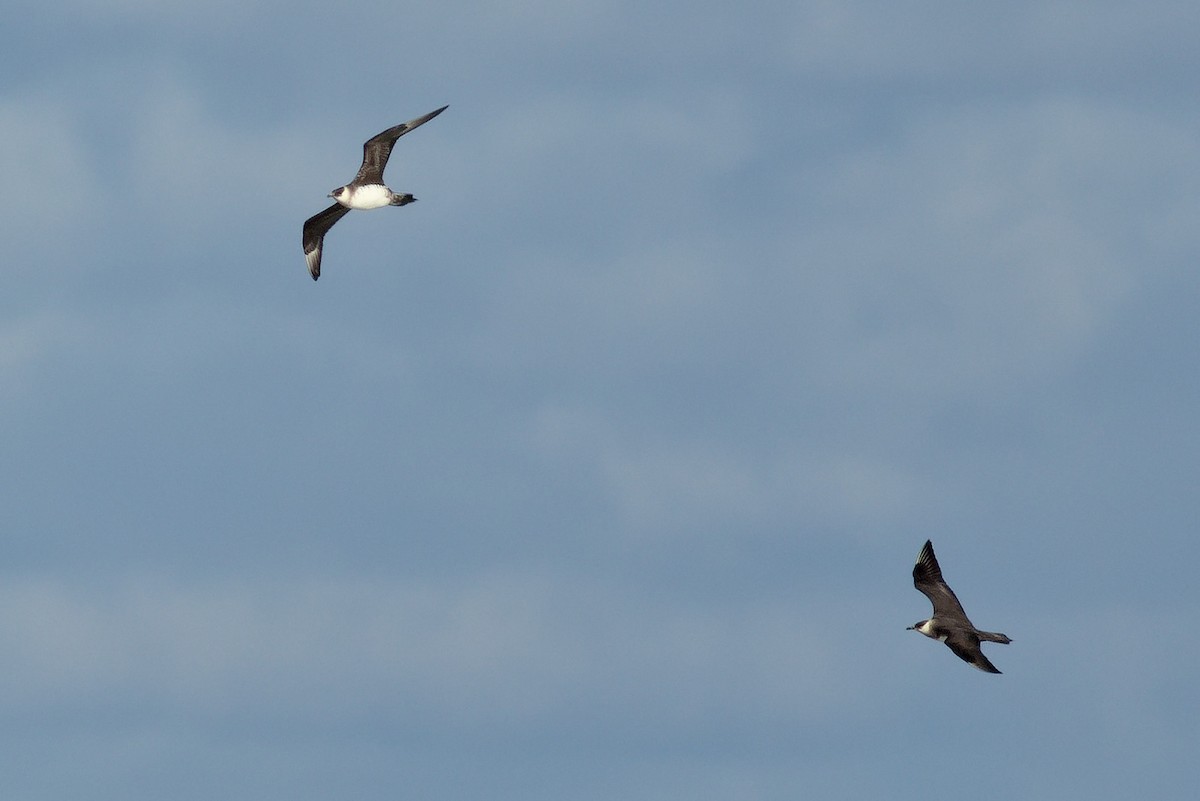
(910, 628)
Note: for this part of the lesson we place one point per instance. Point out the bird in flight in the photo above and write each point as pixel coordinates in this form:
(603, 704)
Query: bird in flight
(950, 623)
(366, 191)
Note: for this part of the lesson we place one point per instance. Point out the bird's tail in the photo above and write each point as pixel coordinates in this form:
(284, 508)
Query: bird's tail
(991, 636)
(402, 200)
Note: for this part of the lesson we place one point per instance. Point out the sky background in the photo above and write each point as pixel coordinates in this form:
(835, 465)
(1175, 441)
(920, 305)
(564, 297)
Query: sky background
(599, 473)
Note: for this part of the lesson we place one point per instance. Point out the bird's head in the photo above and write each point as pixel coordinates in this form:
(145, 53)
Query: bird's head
(916, 626)
(337, 193)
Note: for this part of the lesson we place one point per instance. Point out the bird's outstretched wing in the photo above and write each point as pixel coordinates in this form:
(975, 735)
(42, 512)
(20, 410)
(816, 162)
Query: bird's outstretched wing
(315, 228)
(927, 577)
(378, 148)
(966, 647)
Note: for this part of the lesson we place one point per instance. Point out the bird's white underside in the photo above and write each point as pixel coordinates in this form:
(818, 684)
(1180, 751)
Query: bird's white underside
(370, 196)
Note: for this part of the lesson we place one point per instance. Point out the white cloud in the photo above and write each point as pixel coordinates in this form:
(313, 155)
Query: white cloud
(28, 341)
(179, 146)
(487, 647)
(220, 14)
(51, 198)
(979, 248)
(672, 486)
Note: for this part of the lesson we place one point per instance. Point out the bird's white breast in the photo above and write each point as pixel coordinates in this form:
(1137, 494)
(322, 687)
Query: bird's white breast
(926, 628)
(371, 196)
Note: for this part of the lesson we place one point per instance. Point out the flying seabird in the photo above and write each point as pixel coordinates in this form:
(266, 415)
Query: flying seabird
(366, 191)
(949, 623)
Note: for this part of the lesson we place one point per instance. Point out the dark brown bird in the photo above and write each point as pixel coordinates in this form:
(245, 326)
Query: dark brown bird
(950, 623)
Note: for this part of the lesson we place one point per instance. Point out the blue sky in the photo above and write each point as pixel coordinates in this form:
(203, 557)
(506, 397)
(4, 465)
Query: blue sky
(599, 472)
